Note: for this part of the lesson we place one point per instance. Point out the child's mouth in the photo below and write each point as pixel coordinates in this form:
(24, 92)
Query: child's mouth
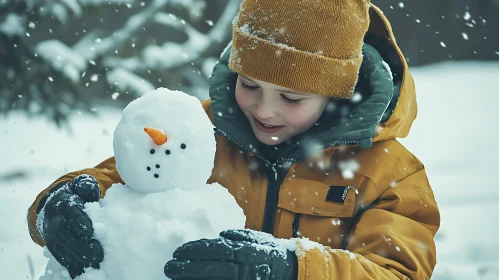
(267, 128)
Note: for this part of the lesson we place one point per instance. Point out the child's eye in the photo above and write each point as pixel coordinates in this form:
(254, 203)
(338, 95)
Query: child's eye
(290, 100)
(246, 86)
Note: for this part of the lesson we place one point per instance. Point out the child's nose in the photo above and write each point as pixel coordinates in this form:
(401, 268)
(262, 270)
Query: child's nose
(265, 110)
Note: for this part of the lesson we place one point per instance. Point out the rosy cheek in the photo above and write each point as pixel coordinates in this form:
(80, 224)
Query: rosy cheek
(300, 118)
(244, 98)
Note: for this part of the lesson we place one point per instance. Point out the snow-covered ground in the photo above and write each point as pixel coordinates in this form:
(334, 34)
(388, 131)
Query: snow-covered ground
(454, 135)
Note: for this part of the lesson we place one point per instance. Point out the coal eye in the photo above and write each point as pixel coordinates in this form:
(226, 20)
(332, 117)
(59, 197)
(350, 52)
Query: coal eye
(183, 146)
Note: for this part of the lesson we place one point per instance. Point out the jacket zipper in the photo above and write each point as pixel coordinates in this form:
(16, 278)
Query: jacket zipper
(275, 179)
(274, 186)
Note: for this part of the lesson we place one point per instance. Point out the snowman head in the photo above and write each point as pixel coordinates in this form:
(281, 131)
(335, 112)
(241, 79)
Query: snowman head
(164, 140)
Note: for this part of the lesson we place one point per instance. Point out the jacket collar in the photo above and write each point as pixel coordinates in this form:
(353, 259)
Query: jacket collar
(332, 128)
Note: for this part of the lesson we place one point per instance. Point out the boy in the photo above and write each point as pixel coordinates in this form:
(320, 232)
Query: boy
(302, 154)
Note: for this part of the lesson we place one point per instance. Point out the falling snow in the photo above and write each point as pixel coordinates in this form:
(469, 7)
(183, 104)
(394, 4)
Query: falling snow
(467, 16)
(356, 97)
(348, 168)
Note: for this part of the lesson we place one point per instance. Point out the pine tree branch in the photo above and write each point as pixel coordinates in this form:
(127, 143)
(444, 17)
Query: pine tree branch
(174, 55)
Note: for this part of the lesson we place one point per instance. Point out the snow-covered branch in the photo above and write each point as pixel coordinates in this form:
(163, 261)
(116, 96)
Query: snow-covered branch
(172, 55)
(48, 72)
(91, 49)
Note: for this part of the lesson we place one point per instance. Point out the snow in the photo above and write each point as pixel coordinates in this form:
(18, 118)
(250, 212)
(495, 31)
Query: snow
(129, 223)
(125, 80)
(467, 16)
(356, 97)
(348, 168)
(208, 65)
(387, 67)
(190, 142)
(62, 58)
(12, 25)
(170, 55)
(453, 135)
(157, 214)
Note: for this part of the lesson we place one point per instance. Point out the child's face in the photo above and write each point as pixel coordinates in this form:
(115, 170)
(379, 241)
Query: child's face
(276, 113)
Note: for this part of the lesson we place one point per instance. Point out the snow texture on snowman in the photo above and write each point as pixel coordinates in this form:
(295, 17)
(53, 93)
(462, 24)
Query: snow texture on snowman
(164, 147)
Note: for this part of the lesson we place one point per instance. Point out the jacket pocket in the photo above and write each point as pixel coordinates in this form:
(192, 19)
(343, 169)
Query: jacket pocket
(315, 198)
(317, 211)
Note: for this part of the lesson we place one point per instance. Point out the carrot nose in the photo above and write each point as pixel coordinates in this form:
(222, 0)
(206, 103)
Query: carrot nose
(157, 136)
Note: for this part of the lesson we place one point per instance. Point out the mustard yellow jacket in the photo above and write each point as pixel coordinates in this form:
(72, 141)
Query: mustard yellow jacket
(385, 213)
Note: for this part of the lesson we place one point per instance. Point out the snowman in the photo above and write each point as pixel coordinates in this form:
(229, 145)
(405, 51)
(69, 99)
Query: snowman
(164, 147)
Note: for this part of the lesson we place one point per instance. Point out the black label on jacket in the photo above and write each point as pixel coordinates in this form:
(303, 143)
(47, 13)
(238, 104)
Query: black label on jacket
(337, 194)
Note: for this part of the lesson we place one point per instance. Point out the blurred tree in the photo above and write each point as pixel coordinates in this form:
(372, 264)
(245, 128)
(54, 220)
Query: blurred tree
(62, 56)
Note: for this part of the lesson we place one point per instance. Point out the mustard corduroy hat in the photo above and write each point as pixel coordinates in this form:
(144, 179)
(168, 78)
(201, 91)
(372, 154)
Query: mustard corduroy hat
(312, 46)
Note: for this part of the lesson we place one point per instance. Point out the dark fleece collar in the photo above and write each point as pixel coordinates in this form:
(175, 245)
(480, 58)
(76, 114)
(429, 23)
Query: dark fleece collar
(345, 121)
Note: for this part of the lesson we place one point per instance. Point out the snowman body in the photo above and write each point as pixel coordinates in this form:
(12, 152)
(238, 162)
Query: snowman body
(164, 148)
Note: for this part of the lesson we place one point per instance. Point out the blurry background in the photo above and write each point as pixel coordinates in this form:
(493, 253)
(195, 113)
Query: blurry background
(68, 68)
(62, 56)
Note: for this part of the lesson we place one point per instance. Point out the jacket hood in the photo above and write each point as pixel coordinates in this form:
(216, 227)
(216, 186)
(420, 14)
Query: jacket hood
(403, 107)
(386, 110)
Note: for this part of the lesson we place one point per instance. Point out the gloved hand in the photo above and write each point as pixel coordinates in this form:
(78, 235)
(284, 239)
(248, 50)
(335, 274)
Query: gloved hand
(235, 255)
(67, 230)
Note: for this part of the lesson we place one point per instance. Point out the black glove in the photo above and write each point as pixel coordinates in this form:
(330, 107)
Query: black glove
(236, 255)
(67, 229)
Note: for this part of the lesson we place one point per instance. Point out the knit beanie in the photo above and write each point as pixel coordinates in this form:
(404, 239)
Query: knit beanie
(312, 46)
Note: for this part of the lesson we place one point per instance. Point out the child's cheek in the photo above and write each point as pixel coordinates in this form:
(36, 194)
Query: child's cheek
(243, 98)
(300, 119)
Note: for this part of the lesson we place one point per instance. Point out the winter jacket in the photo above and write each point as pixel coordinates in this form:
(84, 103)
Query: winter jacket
(347, 183)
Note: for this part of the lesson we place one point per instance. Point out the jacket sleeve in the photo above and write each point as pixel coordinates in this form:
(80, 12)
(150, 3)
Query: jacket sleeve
(392, 239)
(106, 175)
